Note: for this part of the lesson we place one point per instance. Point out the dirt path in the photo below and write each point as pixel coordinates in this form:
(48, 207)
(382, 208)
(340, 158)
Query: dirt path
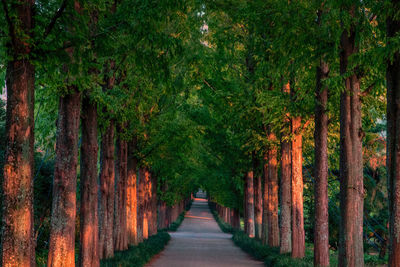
(200, 242)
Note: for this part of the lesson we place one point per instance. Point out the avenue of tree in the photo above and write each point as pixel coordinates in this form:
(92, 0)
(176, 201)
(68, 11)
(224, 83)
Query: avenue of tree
(286, 112)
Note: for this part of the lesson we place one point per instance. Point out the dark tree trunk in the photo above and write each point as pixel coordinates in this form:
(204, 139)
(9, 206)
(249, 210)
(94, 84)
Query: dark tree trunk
(393, 141)
(62, 234)
(258, 206)
(107, 188)
(286, 189)
(298, 235)
(89, 221)
(321, 224)
(250, 204)
(153, 225)
(351, 252)
(235, 219)
(18, 246)
(273, 202)
(131, 195)
(121, 223)
(265, 200)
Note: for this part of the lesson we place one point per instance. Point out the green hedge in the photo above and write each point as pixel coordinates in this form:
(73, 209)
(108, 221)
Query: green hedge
(271, 256)
(139, 255)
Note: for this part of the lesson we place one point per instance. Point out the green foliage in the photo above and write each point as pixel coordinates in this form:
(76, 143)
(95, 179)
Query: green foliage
(141, 254)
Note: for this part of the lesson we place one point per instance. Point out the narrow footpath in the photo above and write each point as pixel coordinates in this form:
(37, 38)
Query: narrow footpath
(200, 242)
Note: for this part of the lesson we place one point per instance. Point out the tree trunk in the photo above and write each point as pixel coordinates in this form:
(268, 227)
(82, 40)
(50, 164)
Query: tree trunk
(153, 228)
(250, 204)
(245, 212)
(89, 224)
(393, 143)
(147, 203)
(107, 187)
(235, 219)
(121, 223)
(265, 200)
(258, 207)
(131, 195)
(141, 203)
(286, 189)
(351, 252)
(321, 225)
(62, 234)
(18, 248)
(273, 202)
(298, 235)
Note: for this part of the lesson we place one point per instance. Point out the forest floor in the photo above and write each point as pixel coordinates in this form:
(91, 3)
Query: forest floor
(200, 242)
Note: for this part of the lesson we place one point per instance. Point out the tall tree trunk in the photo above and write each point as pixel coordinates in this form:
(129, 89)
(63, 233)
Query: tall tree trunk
(250, 204)
(298, 235)
(17, 239)
(245, 212)
(89, 221)
(321, 225)
(286, 189)
(62, 234)
(121, 223)
(393, 142)
(258, 206)
(131, 195)
(107, 184)
(141, 203)
(153, 228)
(265, 200)
(147, 204)
(273, 202)
(351, 252)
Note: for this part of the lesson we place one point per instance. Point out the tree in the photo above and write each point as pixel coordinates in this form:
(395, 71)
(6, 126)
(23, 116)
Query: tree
(17, 239)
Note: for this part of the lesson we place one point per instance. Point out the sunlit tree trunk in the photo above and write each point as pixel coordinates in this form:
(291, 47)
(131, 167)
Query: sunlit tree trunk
(107, 184)
(273, 202)
(131, 195)
(18, 247)
(298, 235)
(120, 217)
(250, 204)
(147, 203)
(265, 200)
(153, 225)
(89, 224)
(141, 203)
(351, 252)
(62, 234)
(321, 224)
(393, 141)
(286, 195)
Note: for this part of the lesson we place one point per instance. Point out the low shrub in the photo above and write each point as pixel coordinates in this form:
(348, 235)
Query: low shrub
(139, 255)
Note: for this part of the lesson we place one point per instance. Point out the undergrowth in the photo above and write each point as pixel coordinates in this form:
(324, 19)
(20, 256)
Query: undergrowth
(139, 255)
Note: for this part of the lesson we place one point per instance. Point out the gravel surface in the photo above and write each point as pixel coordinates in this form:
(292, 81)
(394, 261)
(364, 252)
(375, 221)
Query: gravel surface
(200, 242)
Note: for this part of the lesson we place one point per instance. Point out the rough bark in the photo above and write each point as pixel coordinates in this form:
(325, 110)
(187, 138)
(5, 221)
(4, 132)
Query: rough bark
(321, 223)
(258, 206)
(62, 234)
(131, 195)
(121, 223)
(393, 143)
(351, 252)
(250, 204)
(107, 188)
(265, 201)
(18, 248)
(141, 203)
(298, 234)
(273, 202)
(89, 224)
(286, 195)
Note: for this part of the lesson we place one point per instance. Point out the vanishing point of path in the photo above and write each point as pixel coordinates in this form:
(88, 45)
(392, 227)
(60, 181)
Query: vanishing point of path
(199, 242)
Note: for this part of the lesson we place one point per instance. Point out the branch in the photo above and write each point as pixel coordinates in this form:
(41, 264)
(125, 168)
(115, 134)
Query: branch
(54, 19)
(368, 90)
